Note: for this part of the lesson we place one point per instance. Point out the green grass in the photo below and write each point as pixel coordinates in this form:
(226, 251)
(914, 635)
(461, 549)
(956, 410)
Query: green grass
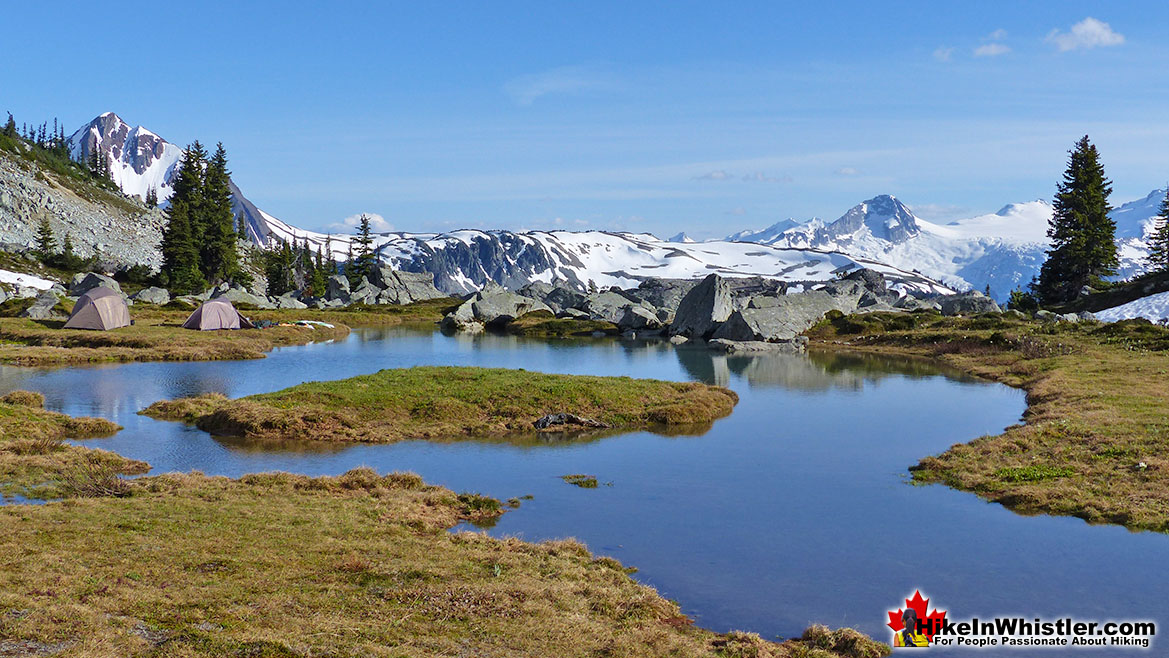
(66, 173)
(447, 403)
(581, 480)
(542, 324)
(1034, 473)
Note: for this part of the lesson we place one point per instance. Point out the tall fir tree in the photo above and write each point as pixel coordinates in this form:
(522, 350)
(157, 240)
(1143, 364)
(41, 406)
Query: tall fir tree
(152, 197)
(1083, 236)
(219, 259)
(349, 269)
(180, 246)
(366, 261)
(10, 126)
(1159, 240)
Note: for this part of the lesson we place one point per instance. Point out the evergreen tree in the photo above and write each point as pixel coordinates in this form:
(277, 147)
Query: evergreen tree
(10, 127)
(152, 197)
(241, 227)
(366, 261)
(219, 257)
(1083, 236)
(350, 269)
(1159, 240)
(46, 241)
(180, 248)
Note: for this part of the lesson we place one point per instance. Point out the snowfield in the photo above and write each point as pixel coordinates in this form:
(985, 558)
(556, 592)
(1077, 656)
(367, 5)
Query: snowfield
(1154, 308)
(26, 280)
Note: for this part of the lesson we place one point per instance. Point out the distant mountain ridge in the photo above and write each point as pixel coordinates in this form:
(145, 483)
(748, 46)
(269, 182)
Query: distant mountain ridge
(1003, 250)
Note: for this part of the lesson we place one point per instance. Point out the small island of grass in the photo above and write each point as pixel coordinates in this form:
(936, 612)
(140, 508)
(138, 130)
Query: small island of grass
(446, 403)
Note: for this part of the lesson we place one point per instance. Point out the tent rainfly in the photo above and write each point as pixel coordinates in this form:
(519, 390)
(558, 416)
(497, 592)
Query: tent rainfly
(217, 313)
(101, 308)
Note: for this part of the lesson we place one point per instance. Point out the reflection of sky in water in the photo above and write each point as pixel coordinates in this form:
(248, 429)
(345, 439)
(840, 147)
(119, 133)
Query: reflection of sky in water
(792, 510)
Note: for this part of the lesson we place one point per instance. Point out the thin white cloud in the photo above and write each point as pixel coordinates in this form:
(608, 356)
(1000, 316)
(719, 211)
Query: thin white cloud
(997, 35)
(736, 211)
(572, 80)
(944, 54)
(1088, 33)
(377, 223)
(760, 177)
(992, 50)
(847, 171)
(717, 174)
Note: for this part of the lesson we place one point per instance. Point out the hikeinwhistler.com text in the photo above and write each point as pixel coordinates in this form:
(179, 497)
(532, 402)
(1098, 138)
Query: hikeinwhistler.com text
(1029, 633)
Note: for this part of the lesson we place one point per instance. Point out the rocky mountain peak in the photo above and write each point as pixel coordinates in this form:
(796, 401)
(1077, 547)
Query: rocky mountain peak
(139, 159)
(885, 216)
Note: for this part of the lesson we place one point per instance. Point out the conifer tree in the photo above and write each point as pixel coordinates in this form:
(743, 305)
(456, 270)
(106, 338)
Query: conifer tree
(1083, 236)
(46, 241)
(365, 258)
(350, 269)
(10, 126)
(219, 259)
(1159, 240)
(180, 248)
(152, 197)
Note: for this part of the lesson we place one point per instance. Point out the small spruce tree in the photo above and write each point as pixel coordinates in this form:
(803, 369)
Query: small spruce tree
(152, 197)
(46, 242)
(1159, 240)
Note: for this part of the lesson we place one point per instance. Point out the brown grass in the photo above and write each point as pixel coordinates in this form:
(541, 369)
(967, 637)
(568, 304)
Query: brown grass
(284, 565)
(1098, 400)
(447, 403)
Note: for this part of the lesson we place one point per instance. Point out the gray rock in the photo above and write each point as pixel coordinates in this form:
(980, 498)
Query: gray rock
(1014, 313)
(288, 301)
(565, 298)
(911, 303)
(679, 340)
(43, 308)
(240, 296)
(572, 313)
(610, 306)
(84, 282)
(739, 347)
(337, 289)
(872, 280)
(401, 287)
(365, 293)
(1069, 317)
(665, 294)
(492, 309)
(703, 309)
(788, 318)
(153, 295)
(969, 303)
(1046, 316)
(639, 318)
(1086, 316)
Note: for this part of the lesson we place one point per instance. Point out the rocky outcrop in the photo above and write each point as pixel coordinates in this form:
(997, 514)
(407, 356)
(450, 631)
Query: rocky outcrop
(970, 303)
(703, 309)
(44, 308)
(239, 296)
(491, 309)
(401, 287)
(609, 306)
(86, 281)
(639, 318)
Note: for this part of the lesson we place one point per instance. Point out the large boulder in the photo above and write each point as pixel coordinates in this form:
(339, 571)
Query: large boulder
(565, 298)
(44, 308)
(872, 280)
(639, 318)
(610, 306)
(663, 293)
(365, 293)
(785, 317)
(703, 309)
(493, 309)
(152, 295)
(86, 281)
(337, 289)
(288, 300)
(239, 296)
(968, 303)
(400, 287)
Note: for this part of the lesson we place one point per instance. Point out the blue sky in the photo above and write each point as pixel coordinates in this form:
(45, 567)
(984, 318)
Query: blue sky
(648, 116)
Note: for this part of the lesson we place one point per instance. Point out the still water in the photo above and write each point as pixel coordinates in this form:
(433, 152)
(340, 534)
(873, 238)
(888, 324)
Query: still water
(795, 509)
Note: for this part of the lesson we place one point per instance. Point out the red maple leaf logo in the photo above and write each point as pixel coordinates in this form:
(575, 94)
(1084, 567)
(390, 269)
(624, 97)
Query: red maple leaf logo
(930, 623)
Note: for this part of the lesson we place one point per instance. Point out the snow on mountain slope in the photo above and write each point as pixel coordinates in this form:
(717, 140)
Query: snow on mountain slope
(1003, 250)
(1154, 308)
(139, 159)
(680, 237)
(764, 235)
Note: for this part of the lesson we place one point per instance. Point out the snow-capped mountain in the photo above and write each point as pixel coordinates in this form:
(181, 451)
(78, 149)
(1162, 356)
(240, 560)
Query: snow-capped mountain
(764, 235)
(139, 159)
(1003, 250)
(464, 261)
(680, 237)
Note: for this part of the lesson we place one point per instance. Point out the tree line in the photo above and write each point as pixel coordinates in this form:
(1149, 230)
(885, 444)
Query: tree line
(1083, 251)
(298, 266)
(199, 242)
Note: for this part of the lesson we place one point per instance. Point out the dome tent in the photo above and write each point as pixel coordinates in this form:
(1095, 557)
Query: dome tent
(100, 308)
(217, 313)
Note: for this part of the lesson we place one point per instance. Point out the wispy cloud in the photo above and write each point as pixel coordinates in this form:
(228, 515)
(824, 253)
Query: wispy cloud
(377, 223)
(1088, 33)
(717, 174)
(992, 50)
(847, 171)
(997, 35)
(736, 211)
(572, 80)
(944, 54)
(760, 177)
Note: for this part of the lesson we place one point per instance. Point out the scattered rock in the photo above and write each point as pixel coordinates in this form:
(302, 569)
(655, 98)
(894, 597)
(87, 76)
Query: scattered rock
(240, 296)
(970, 303)
(84, 282)
(559, 420)
(152, 295)
(639, 318)
(44, 308)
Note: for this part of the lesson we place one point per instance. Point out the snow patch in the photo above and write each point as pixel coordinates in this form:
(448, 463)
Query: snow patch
(1154, 308)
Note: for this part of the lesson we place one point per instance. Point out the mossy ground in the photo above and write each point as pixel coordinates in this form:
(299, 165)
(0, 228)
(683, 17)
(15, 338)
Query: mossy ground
(1095, 443)
(447, 402)
(157, 334)
(542, 324)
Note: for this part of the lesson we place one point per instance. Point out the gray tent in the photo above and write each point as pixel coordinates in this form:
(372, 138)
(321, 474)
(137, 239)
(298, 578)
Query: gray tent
(215, 314)
(101, 308)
